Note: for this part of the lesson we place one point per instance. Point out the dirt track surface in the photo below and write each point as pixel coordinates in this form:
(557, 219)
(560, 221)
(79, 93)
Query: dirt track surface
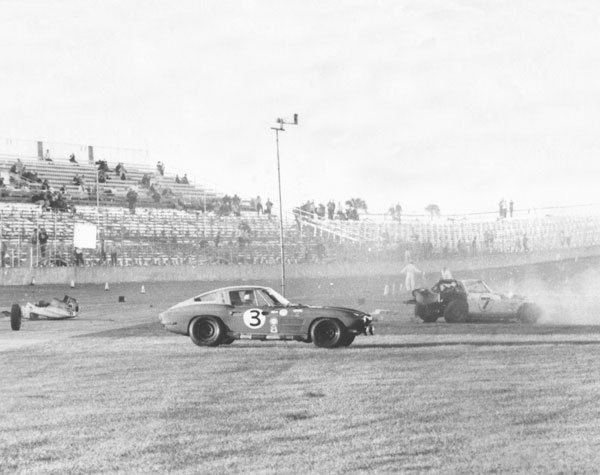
(112, 391)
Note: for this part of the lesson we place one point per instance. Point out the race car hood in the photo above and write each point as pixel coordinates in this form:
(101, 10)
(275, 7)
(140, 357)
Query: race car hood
(353, 311)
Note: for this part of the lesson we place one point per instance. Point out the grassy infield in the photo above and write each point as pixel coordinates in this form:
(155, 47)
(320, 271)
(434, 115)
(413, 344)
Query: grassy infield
(142, 400)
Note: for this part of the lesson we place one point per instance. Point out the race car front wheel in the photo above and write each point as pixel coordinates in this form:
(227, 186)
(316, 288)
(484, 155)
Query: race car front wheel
(328, 333)
(16, 316)
(207, 331)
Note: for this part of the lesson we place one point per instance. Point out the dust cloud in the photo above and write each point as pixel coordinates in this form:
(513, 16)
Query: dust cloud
(566, 295)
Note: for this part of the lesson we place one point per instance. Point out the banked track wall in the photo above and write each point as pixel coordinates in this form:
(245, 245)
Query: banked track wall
(237, 273)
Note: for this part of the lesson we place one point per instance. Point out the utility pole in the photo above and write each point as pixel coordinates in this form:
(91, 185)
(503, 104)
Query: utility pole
(277, 129)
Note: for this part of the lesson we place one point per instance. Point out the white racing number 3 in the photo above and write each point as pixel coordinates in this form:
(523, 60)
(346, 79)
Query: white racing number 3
(253, 318)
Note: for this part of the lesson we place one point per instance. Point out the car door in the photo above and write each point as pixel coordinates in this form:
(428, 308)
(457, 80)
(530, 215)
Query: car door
(487, 303)
(247, 317)
(280, 320)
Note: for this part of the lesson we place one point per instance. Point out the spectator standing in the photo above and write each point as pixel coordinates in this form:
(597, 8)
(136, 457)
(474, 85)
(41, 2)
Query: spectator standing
(268, 208)
(511, 208)
(185, 180)
(102, 259)
(43, 240)
(474, 246)
(132, 198)
(218, 239)
(113, 257)
(160, 166)
(72, 159)
(411, 270)
(398, 212)
(236, 205)
(259, 206)
(330, 210)
(47, 155)
(177, 179)
(525, 243)
(79, 261)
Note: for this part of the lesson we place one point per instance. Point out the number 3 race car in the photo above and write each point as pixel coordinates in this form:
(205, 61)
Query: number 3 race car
(53, 310)
(260, 313)
(460, 301)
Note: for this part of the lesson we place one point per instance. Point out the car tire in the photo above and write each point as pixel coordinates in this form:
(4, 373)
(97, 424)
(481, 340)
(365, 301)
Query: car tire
(228, 340)
(327, 333)
(456, 311)
(529, 313)
(422, 312)
(207, 331)
(16, 316)
(348, 339)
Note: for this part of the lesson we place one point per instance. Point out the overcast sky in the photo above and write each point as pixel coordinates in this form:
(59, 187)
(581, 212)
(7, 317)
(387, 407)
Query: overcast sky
(458, 103)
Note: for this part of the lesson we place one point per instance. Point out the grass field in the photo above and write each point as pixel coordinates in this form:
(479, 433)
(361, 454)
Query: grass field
(111, 391)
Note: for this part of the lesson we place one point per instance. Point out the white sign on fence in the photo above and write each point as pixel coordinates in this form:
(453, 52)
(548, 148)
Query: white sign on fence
(84, 236)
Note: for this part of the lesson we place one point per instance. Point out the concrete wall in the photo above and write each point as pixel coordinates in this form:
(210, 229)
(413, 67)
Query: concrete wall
(100, 275)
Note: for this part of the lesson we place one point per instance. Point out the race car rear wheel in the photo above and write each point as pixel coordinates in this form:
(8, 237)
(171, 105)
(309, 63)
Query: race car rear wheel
(457, 311)
(16, 316)
(207, 331)
(529, 313)
(327, 333)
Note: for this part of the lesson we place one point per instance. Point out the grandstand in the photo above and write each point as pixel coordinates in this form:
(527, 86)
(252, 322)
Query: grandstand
(183, 226)
(60, 173)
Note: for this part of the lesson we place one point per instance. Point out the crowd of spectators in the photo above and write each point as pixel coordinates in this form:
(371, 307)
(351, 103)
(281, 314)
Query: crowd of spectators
(226, 206)
(257, 204)
(183, 180)
(321, 211)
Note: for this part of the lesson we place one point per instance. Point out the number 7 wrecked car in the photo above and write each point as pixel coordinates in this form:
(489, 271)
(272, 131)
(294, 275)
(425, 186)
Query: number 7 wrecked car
(471, 300)
(254, 312)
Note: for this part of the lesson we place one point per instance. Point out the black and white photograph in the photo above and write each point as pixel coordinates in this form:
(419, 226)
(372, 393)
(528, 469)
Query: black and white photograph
(259, 236)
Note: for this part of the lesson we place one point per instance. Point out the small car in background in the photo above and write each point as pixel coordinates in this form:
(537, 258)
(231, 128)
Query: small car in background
(55, 309)
(467, 300)
(255, 312)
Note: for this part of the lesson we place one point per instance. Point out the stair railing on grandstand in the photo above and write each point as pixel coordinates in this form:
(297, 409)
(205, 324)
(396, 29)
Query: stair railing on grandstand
(325, 227)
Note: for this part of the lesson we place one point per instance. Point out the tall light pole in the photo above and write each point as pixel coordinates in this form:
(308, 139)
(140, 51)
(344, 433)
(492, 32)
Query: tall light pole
(279, 128)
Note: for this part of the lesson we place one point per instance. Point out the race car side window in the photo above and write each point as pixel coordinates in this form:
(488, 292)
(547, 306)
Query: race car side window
(235, 299)
(242, 298)
(212, 297)
(478, 288)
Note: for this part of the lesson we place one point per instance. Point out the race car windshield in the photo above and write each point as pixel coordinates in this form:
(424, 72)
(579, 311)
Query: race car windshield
(279, 299)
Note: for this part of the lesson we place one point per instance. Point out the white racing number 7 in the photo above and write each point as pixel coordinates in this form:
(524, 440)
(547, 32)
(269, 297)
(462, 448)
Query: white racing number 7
(254, 318)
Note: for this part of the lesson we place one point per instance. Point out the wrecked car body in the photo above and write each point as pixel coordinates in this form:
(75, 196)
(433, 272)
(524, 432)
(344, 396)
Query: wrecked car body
(459, 301)
(55, 309)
